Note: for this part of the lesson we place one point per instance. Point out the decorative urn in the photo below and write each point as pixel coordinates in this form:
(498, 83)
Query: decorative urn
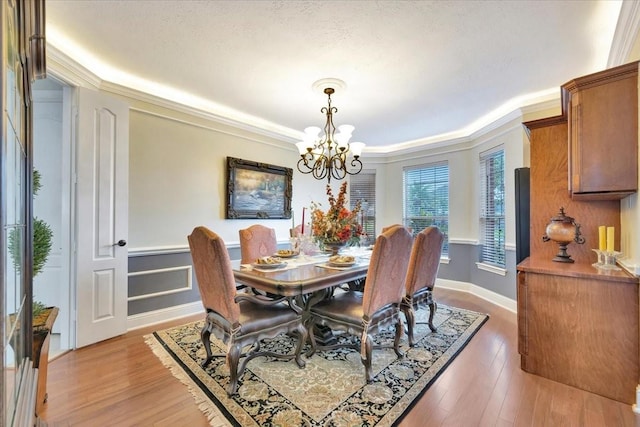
(563, 230)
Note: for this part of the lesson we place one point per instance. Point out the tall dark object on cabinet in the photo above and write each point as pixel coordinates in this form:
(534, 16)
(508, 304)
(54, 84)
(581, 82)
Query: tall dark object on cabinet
(522, 213)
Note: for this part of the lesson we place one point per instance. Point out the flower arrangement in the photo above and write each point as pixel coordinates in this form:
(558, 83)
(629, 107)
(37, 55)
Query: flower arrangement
(338, 225)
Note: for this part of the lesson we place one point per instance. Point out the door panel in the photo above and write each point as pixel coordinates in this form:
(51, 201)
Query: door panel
(102, 163)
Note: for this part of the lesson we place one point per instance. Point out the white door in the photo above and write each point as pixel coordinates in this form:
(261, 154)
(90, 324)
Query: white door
(102, 167)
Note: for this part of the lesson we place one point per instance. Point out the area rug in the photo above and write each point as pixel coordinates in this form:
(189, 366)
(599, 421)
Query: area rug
(331, 390)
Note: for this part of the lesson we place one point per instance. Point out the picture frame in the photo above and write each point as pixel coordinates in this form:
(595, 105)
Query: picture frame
(258, 190)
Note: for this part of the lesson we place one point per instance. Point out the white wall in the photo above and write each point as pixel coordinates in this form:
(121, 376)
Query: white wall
(630, 209)
(178, 178)
(463, 160)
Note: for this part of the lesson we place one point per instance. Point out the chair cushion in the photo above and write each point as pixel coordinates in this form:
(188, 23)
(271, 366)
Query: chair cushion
(255, 317)
(347, 308)
(422, 295)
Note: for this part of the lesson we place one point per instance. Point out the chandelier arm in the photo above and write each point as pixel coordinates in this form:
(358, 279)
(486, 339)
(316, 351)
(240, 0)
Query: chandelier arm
(338, 167)
(320, 167)
(304, 163)
(356, 163)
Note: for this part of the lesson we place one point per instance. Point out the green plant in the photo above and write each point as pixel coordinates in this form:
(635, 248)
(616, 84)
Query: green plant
(42, 241)
(37, 308)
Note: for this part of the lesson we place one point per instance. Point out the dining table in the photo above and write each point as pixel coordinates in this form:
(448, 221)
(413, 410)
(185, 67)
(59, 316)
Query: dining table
(304, 279)
(302, 275)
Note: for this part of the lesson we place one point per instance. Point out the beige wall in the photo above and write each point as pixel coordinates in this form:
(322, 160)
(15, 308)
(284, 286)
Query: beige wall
(178, 178)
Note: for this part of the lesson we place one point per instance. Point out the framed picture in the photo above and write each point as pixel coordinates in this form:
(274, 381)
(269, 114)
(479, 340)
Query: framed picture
(258, 190)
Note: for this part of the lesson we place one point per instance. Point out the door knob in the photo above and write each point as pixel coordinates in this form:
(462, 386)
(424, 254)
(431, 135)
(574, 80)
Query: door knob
(120, 243)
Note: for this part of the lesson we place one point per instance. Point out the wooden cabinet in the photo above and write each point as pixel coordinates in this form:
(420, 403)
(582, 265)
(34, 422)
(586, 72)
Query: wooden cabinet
(602, 112)
(579, 327)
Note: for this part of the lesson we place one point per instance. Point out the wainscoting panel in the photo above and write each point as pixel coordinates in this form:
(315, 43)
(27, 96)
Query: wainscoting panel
(158, 282)
(163, 280)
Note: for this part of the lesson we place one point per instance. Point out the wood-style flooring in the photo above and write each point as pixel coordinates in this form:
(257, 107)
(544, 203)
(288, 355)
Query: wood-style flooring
(120, 382)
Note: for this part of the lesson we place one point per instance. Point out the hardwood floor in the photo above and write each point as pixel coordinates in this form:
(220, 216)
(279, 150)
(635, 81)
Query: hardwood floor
(120, 382)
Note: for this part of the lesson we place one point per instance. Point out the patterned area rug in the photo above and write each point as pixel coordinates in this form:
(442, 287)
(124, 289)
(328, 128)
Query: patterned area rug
(331, 389)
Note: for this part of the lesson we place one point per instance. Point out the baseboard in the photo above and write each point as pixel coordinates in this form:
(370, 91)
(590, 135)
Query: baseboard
(485, 294)
(150, 318)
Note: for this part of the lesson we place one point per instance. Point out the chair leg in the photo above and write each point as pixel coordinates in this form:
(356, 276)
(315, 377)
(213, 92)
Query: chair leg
(433, 306)
(233, 356)
(366, 351)
(396, 341)
(410, 315)
(206, 342)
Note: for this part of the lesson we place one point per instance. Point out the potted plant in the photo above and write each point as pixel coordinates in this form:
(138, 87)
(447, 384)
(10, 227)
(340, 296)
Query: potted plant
(43, 316)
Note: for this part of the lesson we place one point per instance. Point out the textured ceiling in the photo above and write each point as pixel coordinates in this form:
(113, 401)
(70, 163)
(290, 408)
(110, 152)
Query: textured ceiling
(414, 69)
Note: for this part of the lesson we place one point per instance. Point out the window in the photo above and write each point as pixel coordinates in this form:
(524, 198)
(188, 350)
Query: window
(426, 199)
(363, 188)
(492, 224)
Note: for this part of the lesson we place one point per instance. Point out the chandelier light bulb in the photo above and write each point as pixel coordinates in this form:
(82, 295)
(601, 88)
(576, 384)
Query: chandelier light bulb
(302, 147)
(356, 148)
(311, 134)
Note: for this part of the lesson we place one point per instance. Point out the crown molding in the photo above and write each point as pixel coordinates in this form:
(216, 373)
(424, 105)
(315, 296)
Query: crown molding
(70, 72)
(65, 69)
(627, 31)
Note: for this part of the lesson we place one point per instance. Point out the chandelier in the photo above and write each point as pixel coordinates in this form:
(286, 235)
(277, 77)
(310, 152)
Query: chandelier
(330, 155)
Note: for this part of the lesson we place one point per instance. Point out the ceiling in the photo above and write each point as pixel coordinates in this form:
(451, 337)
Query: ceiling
(415, 71)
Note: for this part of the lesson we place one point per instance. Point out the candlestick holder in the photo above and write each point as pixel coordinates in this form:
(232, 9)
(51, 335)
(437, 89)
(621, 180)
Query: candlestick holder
(607, 260)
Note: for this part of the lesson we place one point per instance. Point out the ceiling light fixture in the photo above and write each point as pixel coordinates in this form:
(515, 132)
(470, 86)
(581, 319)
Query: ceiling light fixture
(327, 156)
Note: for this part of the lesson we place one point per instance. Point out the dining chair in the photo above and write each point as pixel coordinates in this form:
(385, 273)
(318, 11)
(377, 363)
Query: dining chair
(367, 313)
(257, 241)
(239, 320)
(421, 277)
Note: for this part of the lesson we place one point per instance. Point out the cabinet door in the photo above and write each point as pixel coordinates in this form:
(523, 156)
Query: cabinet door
(603, 134)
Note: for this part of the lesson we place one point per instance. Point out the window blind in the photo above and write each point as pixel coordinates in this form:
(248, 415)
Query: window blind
(363, 188)
(426, 199)
(492, 222)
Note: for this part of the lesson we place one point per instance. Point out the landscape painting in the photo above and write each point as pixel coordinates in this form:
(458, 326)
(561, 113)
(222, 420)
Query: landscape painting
(258, 190)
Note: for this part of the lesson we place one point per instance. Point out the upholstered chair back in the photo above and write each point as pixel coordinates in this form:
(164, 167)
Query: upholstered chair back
(425, 260)
(257, 241)
(214, 273)
(387, 272)
(389, 227)
(296, 231)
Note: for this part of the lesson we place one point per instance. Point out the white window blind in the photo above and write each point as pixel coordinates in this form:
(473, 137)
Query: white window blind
(492, 223)
(426, 199)
(363, 188)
